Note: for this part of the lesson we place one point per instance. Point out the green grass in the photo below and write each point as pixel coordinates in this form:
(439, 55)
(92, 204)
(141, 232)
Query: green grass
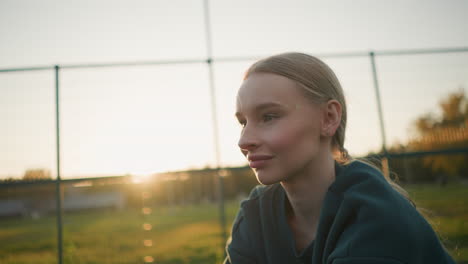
(179, 235)
(189, 234)
(446, 208)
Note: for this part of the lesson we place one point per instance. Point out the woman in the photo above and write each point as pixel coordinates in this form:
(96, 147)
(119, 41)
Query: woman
(316, 205)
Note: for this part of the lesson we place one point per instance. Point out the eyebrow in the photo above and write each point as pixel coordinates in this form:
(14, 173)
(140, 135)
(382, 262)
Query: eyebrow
(262, 106)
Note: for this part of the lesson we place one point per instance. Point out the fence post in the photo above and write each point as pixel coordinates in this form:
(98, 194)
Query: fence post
(58, 196)
(385, 166)
(209, 62)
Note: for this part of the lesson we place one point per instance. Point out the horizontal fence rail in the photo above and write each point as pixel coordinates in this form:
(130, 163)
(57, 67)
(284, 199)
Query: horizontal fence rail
(236, 59)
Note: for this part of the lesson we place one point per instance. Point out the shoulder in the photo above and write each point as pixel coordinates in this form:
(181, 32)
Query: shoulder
(250, 212)
(243, 245)
(377, 221)
(261, 190)
(365, 185)
(255, 195)
(362, 186)
(354, 175)
(258, 191)
(261, 195)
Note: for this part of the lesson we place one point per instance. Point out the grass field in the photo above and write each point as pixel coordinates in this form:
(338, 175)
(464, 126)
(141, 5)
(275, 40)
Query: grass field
(447, 211)
(183, 234)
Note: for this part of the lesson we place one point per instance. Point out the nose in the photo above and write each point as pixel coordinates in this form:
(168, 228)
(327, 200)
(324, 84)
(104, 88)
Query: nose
(248, 141)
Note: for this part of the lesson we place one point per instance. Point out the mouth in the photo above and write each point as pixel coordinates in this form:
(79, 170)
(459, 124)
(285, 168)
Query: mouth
(257, 162)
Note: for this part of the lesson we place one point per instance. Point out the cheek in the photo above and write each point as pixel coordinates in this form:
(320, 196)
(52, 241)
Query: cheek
(294, 137)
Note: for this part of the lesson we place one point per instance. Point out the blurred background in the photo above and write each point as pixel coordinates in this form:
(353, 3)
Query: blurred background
(121, 114)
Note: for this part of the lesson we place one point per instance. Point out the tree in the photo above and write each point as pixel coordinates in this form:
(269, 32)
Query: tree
(448, 131)
(37, 174)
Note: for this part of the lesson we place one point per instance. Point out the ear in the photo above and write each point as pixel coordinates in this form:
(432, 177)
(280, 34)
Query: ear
(331, 118)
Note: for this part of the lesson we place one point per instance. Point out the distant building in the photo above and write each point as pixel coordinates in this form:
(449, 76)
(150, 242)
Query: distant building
(73, 201)
(82, 201)
(12, 208)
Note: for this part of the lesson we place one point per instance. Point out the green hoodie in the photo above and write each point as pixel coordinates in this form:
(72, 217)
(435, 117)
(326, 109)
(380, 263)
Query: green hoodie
(363, 220)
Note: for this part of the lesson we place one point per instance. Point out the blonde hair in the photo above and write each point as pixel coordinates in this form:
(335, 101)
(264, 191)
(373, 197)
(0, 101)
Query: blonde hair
(321, 85)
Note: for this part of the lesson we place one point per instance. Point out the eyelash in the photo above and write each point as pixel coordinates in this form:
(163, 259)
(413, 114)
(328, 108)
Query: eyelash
(270, 117)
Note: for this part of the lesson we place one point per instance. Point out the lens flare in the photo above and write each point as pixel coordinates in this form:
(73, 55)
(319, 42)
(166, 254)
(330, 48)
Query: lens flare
(147, 226)
(148, 242)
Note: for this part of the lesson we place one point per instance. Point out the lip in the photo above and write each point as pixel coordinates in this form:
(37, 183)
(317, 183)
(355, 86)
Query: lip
(258, 161)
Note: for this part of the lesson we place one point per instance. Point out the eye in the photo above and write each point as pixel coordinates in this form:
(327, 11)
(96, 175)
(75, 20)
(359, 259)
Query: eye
(268, 117)
(242, 123)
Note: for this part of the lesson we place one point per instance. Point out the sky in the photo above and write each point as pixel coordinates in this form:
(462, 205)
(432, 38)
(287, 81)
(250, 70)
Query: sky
(147, 119)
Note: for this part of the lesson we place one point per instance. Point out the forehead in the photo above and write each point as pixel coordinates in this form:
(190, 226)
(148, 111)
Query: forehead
(263, 88)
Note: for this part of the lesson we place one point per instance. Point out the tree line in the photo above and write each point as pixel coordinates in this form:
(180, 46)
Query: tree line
(443, 132)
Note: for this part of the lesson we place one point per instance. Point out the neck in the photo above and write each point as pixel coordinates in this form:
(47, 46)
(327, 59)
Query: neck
(305, 194)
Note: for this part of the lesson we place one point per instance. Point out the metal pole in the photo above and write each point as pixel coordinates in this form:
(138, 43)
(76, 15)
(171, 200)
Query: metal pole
(385, 167)
(209, 61)
(379, 103)
(58, 196)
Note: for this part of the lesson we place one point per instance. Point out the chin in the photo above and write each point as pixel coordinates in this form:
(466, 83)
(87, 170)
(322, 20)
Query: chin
(266, 179)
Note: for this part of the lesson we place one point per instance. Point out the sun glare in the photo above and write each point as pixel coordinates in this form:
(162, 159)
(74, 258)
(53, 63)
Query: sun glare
(138, 179)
